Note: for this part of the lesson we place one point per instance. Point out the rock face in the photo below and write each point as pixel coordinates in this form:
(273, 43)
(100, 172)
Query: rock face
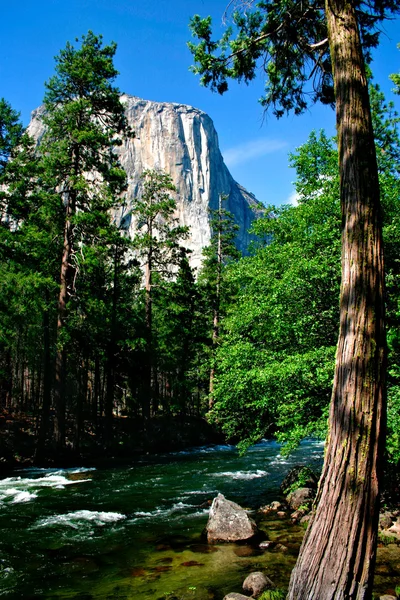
(180, 140)
(228, 522)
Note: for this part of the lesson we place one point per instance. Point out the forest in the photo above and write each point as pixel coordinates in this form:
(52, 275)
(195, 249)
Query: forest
(102, 335)
(113, 346)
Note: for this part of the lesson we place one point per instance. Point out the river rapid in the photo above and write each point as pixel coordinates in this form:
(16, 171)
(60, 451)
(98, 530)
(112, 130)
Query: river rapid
(135, 531)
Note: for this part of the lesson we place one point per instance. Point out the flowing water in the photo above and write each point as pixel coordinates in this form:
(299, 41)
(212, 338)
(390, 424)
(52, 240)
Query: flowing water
(136, 531)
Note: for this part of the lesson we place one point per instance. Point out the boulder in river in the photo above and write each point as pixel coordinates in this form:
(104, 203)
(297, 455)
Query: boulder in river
(386, 520)
(228, 522)
(235, 596)
(302, 497)
(256, 583)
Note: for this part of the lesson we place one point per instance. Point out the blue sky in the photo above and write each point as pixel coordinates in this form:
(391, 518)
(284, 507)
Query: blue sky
(154, 61)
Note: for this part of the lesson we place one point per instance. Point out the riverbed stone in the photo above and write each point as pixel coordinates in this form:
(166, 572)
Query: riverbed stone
(386, 520)
(301, 497)
(305, 519)
(387, 597)
(235, 596)
(256, 583)
(296, 516)
(395, 528)
(228, 522)
(275, 505)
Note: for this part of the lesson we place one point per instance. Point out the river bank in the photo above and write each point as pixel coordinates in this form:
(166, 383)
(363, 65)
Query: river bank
(131, 439)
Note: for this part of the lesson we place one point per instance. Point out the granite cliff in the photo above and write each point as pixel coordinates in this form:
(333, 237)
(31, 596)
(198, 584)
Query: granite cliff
(182, 141)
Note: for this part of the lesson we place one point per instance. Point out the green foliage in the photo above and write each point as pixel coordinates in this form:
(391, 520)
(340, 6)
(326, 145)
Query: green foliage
(387, 539)
(84, 119)
(276, 355)
(287, 41)
(396, 80)
(11, 131)
(277, 349)
(303, 477)
(273, 594)
(157, 233)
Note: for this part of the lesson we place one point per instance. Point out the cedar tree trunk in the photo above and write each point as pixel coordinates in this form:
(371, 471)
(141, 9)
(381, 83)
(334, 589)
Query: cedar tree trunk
(337, 557)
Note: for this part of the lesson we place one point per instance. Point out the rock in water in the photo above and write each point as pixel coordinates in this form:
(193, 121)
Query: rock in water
(256, 583)
(181, 141)
(300, 497)
(228, 522)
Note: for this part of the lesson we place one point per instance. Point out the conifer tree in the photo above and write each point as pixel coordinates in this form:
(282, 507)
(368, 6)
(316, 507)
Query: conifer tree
(11, 131)
(84, 121)
(217, 255)
(158, 247)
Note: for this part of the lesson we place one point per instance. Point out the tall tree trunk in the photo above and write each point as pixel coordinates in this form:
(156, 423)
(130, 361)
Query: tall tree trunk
(60, 362)
(66, 283)
(96, 395)
(47, 369)
(6, 383)
(109, 401)
(216, 317)
(148, 370)
(80, 402)
(337, 557)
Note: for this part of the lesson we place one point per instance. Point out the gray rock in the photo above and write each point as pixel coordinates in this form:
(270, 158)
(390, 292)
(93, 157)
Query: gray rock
(256, 583)
(386, 520)
(276, 505)
(235, 596)
(300, 497)
(181, 141)
(228, 522)
(395, 528)
(387, 597)
(305, 519)
(297, 516)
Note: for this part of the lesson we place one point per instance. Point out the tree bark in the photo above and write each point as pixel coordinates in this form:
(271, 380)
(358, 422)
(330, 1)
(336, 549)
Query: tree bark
(216, 316)
(337, 557)
(66, 283)
(111, 351)
(60, 362)
(47, 367)
(148, 370)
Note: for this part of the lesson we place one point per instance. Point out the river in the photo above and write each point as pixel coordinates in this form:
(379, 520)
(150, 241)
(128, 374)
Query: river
(134, 531)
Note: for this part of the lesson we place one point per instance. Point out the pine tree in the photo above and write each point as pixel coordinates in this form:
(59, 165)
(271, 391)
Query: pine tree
(84, 121)
(217, 255)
